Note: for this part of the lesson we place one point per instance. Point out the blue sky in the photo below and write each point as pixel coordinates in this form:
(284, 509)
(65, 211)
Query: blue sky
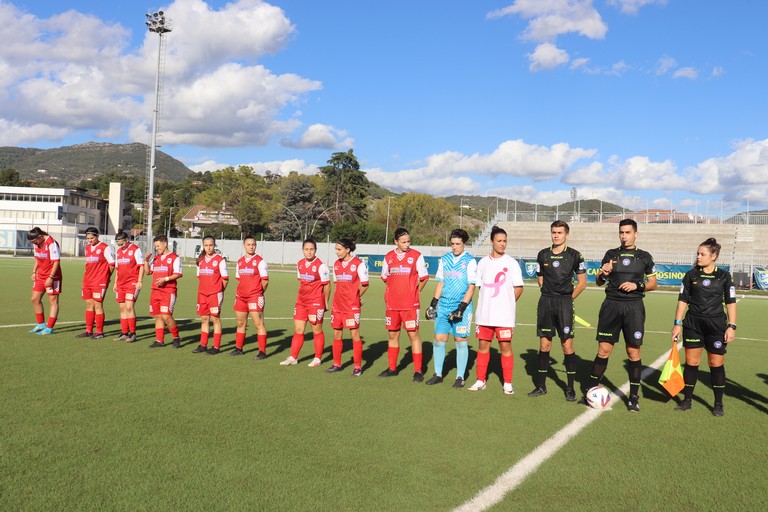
(638, 102)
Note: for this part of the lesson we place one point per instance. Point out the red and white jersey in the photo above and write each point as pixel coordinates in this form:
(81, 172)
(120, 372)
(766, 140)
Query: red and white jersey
(211, 273)
(312, 275)
(165, 265)
(250, 271)
(47, 254)
(129, 260)
(497, 279)
(98, 260)
(348, 276)
(402, 271)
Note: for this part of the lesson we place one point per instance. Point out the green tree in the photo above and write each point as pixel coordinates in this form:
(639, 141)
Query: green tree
(10, 178)
(345, 187)
(427, 218)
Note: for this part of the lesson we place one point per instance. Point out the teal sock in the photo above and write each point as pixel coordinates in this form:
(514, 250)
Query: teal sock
(438, 352)
(462, 356)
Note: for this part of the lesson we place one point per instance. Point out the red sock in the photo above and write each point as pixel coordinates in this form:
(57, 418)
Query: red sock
(482, 365)
(392, 354)
(262, 340)
(204, 339)
(160, 334)
(319, 340)
(338, 348)
(216, 340)
(89, 318)
(296, 343)
(132, 325)
(124, 325)
(239, 340)
(51, 322)
(100, 322)
(357, 353)
(174, 331)
(40, 317)
(417, 358)
(507, 365)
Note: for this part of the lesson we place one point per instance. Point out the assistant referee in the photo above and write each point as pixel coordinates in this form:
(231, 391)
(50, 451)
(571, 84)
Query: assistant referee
(706, 324)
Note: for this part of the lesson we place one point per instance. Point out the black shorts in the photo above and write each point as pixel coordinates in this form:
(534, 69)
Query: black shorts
(621, 316)
(554, 316)
(705, 331)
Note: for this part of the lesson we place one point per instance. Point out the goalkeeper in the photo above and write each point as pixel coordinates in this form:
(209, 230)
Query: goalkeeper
(451, 307)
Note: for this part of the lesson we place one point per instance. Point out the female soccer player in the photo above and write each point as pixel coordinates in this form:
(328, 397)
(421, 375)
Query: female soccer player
(212, 281)
(165, 268)
(501, 284)
(252, 280)
(350, 275)
(99, 265)
(46, 276)
(129, 263)
(706, 323)
(314, 292)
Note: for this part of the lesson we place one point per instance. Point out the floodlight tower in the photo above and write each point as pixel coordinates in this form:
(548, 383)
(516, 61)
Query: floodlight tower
(157, 23)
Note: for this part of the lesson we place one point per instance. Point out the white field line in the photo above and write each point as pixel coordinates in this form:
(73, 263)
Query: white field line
(515, 475)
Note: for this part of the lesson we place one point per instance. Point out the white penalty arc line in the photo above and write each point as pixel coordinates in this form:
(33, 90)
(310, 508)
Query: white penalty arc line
(515, 475)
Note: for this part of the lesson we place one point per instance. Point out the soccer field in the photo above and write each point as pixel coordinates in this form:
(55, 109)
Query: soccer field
(102, 425)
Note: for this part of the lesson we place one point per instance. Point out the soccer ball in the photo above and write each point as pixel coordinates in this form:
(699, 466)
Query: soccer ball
(598, 397)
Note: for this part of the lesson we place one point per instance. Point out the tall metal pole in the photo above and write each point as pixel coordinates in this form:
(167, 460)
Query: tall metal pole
(386, 233)
(157, 23)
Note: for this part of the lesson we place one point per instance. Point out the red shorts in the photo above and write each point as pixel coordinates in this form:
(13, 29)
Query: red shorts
(95, 292)
(485, 333)
(345, 320)
(396, 319)
(39, 286)
(248, 304)
(161, 303)
(127, 293)
(209, 304)
(309, 313)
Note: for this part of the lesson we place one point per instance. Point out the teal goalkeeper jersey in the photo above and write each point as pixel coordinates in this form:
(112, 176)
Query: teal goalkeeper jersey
(456, 273)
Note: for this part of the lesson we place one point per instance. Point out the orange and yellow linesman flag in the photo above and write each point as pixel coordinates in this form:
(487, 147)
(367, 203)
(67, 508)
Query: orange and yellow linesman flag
(672, 374)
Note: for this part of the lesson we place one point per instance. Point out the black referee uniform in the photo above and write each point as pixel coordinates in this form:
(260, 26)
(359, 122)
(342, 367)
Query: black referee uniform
(555, 311)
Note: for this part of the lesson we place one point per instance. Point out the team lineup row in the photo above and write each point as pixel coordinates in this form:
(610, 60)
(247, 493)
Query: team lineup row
(705, 315)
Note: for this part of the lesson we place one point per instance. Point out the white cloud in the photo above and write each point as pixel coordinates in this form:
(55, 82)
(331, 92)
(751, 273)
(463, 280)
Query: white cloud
(321, 136)
(717, 71)
(633, 6)
(635, 173)
(547, 56)
(579, 63)
(74, 73)
(665, 64)
(551, 18)
(743, 174)
(283, 167)
(686, 72)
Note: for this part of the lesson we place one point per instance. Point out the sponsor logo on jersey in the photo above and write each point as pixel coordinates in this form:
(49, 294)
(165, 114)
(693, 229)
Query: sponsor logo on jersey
(505, 333)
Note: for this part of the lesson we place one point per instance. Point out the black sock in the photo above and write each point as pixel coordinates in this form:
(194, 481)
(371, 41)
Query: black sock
(541, 376)
(570, 368)
(690, 376)
(598, 369)
(717, 374)
(635, 369)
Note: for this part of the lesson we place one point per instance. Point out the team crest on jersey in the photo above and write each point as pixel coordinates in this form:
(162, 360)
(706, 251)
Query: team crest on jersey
(582, 266)
(626, 262)
(718, 344)
(98, 251)
(314, 268)
(706, 282)
(638, 335)
(353, 268)
(530, 268)
(130, 253)
(556, 263)
(253, 263)
(168, 261)
(410, 261)
(566, 329)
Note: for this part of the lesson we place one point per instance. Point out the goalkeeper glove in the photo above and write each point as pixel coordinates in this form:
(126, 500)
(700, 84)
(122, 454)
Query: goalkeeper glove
(431, 312)
(458, 314)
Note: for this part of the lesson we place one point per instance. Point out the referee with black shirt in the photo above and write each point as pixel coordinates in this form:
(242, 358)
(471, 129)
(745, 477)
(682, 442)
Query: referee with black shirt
(706, 324)
(627, 272)
(555, 267)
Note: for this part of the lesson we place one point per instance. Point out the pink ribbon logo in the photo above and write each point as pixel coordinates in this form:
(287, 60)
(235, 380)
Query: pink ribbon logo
(497, 283)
